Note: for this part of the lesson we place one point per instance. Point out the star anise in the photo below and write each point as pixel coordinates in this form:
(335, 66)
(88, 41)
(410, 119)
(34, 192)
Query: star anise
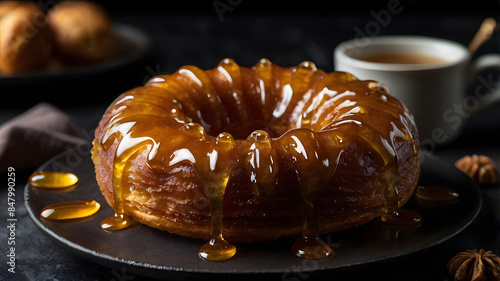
(472, 265)
(479, 167)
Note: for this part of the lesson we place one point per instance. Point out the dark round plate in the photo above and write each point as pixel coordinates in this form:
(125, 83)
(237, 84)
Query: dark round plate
(146, 251)
(132, 45)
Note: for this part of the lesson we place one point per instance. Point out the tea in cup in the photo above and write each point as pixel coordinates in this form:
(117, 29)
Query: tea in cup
(429, 75)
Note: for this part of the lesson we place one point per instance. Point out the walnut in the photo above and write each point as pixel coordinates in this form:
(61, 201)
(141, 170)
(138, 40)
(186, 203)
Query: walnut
(472, 265)
(479, 167)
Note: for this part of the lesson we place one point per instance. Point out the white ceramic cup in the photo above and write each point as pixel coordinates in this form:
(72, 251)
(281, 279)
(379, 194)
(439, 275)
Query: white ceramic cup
(435, 93)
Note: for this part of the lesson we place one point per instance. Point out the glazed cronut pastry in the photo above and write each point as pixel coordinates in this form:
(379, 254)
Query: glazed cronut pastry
(268, 151)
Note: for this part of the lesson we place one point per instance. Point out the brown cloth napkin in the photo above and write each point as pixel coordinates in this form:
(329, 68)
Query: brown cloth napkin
(37, 135)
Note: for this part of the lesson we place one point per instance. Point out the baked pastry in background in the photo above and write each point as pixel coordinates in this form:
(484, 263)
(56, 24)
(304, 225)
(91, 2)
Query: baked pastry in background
(25, 39)
(74, 33)
(8, 6)
(82, 32)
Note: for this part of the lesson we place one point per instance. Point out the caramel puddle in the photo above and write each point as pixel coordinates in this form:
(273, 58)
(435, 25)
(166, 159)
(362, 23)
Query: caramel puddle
(70, 210)
(53, 180)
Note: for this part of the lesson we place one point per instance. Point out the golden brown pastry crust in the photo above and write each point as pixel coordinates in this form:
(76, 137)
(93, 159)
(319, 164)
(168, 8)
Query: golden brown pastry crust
(155, 200)
(25, 39)
(175, 200)
(82, 32)
(7, 7)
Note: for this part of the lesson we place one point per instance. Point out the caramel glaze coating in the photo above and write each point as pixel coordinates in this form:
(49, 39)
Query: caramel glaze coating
(25, 40)
(332, 152)
(82, 32)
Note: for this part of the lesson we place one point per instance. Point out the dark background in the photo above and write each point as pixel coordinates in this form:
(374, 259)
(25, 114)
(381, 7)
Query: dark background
(315, 7)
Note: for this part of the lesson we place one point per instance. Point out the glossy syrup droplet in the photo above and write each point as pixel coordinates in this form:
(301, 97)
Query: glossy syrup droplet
(264, 61)
(194, 130)
(217, 249)
(374, 85)
(437, 194)
(259, 136)
(70, 210)
(229, 62)
(312, 248)
(223, 138)
(53, 180)
(116, 222)
(309, 65)
(402, 217)
(215, 177)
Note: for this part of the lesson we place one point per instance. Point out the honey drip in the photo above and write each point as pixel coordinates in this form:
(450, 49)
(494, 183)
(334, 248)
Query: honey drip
(441, 195)
(217, 249)
(261, 163)
(387, 150)
(313, 170)
(127, 148)
(70, 210)
(214, 178)
(312, 248)
(402, 217)
(116, 222)
(391, 195)
(393, 214)
(263, 71)
(53, 180)
(119, 220)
